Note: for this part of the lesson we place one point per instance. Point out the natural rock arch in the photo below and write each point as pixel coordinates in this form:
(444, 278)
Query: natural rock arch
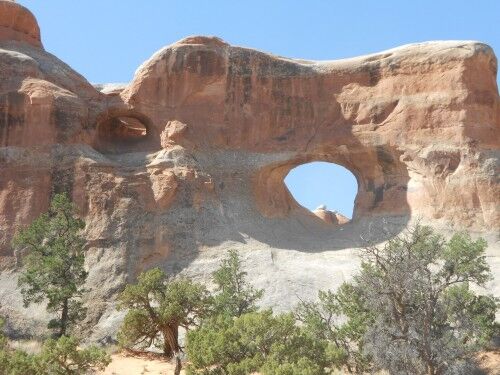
(122, 131)
(382, 184)
(326, 189)
(418, 125)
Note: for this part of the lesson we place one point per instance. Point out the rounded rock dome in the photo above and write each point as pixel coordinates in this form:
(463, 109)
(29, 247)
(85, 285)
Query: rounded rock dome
(18, 23)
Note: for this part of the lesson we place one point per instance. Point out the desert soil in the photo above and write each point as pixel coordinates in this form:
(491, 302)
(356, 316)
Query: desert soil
(490, 362)
(128, 364)
(135, 364)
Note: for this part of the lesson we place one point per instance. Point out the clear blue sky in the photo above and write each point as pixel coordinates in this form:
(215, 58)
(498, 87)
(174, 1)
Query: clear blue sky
(106, 40)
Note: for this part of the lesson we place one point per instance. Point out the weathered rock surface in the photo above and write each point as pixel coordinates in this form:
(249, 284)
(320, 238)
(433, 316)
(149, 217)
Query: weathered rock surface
(188, 159)
(17, 23)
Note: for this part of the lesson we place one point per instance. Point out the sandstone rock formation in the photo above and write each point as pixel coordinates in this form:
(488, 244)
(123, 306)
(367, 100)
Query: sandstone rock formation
(17, 23)
(189, 158)
(330, 217)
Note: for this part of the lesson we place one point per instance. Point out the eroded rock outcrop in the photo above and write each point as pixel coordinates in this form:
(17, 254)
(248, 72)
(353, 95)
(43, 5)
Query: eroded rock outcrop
(189, 158)
(330, 217)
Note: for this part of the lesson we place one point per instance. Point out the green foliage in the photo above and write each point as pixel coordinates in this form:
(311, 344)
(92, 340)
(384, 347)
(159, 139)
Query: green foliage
(340, 319)
(157, 307)
(62, 357)
(252, 342)
(57, 357)
(54, 272)
(18, 362)
(3, 339)
(234, 295)
(427, 319)
(54, 264)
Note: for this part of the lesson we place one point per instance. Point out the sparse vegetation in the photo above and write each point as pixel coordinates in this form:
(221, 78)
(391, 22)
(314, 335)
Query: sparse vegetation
(413, 308)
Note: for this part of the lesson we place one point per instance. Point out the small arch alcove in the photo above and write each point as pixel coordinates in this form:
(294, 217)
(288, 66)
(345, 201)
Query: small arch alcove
(327, 189)
(124, 133)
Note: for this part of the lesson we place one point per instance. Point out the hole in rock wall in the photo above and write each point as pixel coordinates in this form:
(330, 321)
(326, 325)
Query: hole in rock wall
(122, 134)
(326, 189)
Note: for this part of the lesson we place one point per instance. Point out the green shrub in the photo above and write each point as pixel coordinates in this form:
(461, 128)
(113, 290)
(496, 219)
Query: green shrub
(255, 341)
(341, 319)
(57, 357)
(62, 357)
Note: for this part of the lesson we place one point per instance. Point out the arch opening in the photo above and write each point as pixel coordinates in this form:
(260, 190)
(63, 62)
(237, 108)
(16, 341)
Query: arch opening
(326, 189)
(123, 133)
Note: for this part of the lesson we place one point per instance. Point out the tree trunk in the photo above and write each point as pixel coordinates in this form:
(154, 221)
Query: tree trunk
(178, 364)
(167, 350)
(171, 346)
(64, 319)
(170, 341)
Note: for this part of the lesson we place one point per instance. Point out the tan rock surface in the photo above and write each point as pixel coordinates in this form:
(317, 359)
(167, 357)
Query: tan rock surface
(188, 159)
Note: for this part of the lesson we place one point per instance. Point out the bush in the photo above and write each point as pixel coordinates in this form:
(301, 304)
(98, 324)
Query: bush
(18, 362)
(255, 341)
(62, 357)
(57, 357)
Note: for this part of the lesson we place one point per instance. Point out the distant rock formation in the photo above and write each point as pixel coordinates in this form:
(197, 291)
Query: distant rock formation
(330, 217)
(189, 158)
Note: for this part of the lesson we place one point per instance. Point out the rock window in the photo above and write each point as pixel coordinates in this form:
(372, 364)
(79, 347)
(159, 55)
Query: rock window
(326, 189)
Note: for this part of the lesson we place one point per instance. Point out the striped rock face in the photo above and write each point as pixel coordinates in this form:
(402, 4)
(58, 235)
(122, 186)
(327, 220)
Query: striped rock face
(189, 158)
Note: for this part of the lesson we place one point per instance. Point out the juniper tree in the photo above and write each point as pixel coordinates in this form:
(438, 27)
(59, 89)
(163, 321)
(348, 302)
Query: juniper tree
(54, 263)
(427, 317)
(234, 296)
(157, 307)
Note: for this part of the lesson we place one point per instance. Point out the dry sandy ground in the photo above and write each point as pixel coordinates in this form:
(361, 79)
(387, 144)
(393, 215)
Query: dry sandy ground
(128, 364)
(139, 364)
(490, 362)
